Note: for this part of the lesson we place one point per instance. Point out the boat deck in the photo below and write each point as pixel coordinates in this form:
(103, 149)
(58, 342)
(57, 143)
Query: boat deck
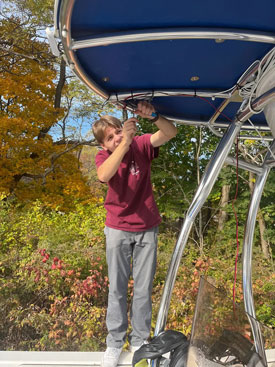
(74, 359)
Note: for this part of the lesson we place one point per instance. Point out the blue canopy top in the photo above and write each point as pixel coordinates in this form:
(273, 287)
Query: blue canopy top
(185, 56)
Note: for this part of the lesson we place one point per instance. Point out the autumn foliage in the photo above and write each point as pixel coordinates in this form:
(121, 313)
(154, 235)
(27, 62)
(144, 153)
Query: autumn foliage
(53, 279)
(31, 165)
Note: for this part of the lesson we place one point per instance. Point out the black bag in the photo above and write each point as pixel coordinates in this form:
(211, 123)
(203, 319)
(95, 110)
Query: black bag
(166, 341)
(179, 355)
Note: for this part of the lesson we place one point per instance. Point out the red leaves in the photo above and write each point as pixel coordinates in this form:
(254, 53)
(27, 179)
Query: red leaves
(45, 255)
(56, 272)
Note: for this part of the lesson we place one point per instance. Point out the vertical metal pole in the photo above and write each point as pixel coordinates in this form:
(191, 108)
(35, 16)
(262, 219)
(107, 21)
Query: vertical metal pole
(247, 255)
(208, 180)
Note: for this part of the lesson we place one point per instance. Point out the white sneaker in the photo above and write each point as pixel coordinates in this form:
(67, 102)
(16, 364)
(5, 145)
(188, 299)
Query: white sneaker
(111, 357)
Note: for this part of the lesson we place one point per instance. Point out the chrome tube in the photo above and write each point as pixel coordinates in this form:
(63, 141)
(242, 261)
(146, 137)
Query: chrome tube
(56, 5)
(172, 34)
(141, 94)
(260, 138)
(204, 189)
(244, 165)
(257, 105)
(222, 125)
(70, 57)
(247, 255)
(218, 112)
(214, 131)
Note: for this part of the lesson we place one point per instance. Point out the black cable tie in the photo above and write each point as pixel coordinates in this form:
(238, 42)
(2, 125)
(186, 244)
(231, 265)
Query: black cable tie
(238, 121)
(105, 102)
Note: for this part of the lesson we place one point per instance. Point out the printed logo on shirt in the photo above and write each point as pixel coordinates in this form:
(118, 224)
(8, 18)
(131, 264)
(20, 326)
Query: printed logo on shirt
(134, 168)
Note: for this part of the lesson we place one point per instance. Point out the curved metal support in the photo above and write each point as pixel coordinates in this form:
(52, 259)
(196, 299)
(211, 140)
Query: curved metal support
(220, 124)
(247, 254)
(141, 94)
(204, 189)
(55, 17)
(260, 138)
(70, 57)
(244, 165)
(172, 34)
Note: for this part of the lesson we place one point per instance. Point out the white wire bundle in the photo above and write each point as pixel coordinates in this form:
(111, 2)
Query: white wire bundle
(248, 91)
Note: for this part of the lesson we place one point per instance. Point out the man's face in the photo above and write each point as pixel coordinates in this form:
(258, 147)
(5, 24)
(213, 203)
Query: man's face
(112, 138)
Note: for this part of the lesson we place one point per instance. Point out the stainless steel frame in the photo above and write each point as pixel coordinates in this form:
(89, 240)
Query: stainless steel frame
(208, 180)
(172, 34)
(247, 252)
(217, 161)
(262, 174)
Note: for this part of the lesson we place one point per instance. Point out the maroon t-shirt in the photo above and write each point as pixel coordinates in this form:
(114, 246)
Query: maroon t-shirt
(129, 202)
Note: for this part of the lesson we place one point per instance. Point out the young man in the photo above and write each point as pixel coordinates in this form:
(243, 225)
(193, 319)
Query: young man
(131, 223)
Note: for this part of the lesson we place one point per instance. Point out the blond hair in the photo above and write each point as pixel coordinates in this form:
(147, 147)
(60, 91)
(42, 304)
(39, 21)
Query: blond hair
(100, 126)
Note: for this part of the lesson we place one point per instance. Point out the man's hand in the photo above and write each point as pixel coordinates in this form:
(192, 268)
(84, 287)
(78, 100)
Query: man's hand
(145, 110)
(129, 130)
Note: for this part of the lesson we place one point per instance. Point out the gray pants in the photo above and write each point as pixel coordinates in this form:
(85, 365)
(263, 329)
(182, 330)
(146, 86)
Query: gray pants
(128, 252)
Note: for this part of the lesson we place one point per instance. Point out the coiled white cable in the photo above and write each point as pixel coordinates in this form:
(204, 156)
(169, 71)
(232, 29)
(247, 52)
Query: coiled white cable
(248, 91)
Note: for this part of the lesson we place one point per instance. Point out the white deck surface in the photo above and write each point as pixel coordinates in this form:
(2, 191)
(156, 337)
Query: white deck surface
(73, 359)
(57, 359)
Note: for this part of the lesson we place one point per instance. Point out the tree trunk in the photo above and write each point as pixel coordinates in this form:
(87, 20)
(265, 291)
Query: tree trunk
(60, 85)
(58, 95)
(224, 201)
